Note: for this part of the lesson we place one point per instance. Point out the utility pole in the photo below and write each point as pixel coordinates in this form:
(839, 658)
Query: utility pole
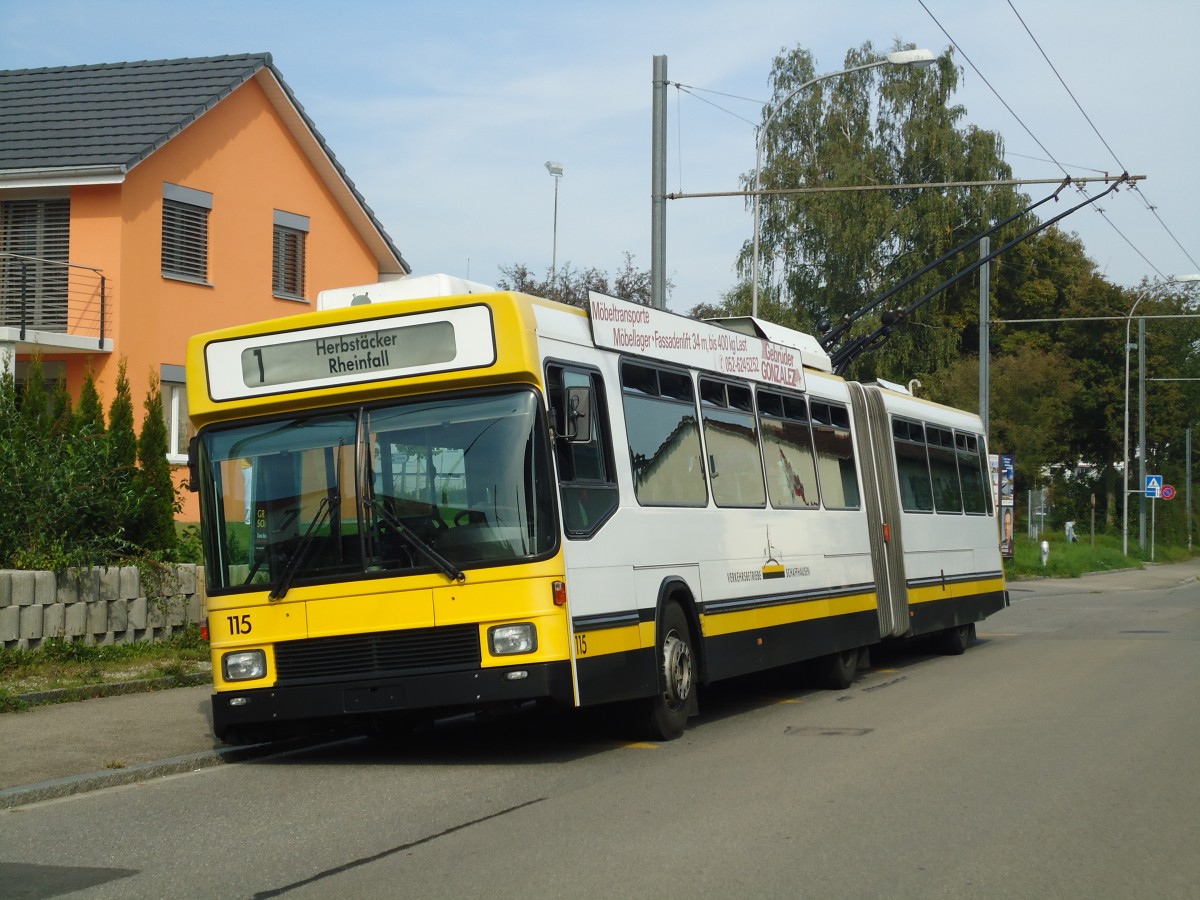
(985, 334)
(1141, 482)
(658, 188)
(1188, 493)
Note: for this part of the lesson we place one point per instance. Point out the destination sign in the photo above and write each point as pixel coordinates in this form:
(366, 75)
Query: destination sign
(375, 351)
(351, 353)
(621, 325)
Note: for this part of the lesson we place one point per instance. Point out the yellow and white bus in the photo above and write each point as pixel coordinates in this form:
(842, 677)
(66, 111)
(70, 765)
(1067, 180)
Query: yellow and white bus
(414, 506)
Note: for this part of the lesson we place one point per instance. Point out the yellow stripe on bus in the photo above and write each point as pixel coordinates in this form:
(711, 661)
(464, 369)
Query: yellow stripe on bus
(954, 590)
(715, 624)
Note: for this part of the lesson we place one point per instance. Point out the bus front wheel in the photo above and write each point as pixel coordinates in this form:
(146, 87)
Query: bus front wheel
(668, 710)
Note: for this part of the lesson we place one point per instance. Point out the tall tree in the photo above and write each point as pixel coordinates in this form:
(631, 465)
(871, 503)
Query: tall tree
(827, 254)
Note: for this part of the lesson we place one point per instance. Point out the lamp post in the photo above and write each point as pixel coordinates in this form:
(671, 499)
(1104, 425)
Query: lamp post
(1125, 457)
(917, 58)
(555, 169)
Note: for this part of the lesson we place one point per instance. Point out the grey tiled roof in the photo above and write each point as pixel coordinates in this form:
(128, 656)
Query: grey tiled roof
(72, 119)
(115, 114)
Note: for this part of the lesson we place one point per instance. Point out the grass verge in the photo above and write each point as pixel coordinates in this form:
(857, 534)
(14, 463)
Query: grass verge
(68, 670)
(1070, 560)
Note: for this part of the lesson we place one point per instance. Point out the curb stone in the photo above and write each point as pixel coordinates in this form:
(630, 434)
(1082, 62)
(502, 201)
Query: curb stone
(114, 689)
(26, 794)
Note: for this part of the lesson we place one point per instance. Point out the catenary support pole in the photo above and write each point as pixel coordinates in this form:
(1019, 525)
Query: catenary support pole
(658, 188)
(985, 335)
(1141, 447)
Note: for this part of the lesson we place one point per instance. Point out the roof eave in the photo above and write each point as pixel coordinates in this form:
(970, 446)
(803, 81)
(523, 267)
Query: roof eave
(26, 179)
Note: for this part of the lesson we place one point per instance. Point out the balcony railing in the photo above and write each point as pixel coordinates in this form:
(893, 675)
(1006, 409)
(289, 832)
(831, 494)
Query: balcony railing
(49, 296)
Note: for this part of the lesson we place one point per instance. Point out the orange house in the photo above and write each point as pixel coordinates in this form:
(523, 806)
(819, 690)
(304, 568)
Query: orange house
(143, 202)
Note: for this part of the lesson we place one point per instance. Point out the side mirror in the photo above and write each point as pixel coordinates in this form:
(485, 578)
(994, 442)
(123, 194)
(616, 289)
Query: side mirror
(193, 484)
(579, 415)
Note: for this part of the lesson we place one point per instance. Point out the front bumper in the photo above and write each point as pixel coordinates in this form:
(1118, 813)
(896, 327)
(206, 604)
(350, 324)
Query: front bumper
(278, 711)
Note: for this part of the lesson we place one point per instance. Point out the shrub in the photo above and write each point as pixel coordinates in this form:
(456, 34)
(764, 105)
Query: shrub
(71, 488)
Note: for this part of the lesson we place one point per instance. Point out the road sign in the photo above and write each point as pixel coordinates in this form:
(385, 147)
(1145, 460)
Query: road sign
(1168, 492)
(1153, 485)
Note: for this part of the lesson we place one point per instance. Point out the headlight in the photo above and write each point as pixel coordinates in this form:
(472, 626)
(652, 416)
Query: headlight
(506, 640)
(244, 665)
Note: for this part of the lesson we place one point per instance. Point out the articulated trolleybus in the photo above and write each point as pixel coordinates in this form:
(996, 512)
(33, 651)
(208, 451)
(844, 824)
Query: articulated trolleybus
(416, 506)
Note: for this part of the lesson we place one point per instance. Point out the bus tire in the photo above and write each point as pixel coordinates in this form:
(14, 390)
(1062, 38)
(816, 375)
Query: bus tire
(837, 670)
(954, 641)
(667, 711)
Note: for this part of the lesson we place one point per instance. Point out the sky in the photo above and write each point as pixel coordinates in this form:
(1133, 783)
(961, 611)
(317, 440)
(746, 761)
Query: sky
(444, 113)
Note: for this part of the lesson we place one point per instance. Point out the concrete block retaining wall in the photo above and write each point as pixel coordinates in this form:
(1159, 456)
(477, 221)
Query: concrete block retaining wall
(97, 606)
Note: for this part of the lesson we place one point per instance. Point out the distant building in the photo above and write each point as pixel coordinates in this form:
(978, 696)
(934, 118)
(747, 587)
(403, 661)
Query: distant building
(143, 202)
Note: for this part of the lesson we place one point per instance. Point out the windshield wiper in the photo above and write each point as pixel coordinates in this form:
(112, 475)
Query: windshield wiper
(447, 568)
(324, 508)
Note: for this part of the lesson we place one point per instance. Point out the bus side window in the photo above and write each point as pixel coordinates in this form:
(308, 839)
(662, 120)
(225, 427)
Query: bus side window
(731, 441)
(836, 465)
(664, 436)
(583, 450)
(976, 495)
(912, 466)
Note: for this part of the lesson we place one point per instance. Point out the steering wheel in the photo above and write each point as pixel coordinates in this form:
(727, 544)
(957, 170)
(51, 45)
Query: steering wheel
(470, 517)
(435, 519)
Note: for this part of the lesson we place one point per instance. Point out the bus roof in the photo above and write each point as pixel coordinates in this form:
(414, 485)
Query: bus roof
(413, 287)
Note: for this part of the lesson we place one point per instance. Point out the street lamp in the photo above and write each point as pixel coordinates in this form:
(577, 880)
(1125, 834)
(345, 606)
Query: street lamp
(916, 58)
(1182, 279)
(555, 169)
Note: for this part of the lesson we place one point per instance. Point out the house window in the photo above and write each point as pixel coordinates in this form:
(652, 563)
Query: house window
(287, 260)
(175, 413)
(185, 233)
(34, 248)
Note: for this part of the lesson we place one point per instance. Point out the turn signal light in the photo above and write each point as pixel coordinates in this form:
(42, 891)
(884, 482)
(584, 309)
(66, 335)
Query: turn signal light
(560, 593)
(887, 532)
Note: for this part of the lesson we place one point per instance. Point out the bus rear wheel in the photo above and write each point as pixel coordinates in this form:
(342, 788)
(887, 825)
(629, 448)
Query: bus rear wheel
(954, 641)
(836, 671)
(667, 712)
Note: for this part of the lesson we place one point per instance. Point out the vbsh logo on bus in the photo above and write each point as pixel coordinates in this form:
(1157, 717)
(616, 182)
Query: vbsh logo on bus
(620, 325)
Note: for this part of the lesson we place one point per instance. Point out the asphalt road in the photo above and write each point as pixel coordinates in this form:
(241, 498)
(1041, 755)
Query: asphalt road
(1059, 757)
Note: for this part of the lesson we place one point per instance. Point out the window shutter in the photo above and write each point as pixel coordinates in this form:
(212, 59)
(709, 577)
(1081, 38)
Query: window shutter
(287, 271)
(185, 241)
(39, 230)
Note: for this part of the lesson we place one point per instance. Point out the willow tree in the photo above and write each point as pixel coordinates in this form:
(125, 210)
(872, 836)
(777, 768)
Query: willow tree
(825, 255)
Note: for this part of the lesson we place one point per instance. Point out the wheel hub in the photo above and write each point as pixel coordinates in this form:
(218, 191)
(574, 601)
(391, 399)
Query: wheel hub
(677, 667)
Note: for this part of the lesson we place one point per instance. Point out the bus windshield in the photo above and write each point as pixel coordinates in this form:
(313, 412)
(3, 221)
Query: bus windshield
(432, 485)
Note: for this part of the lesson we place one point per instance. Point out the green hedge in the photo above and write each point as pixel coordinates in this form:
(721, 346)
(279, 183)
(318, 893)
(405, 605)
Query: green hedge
(77, 491)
